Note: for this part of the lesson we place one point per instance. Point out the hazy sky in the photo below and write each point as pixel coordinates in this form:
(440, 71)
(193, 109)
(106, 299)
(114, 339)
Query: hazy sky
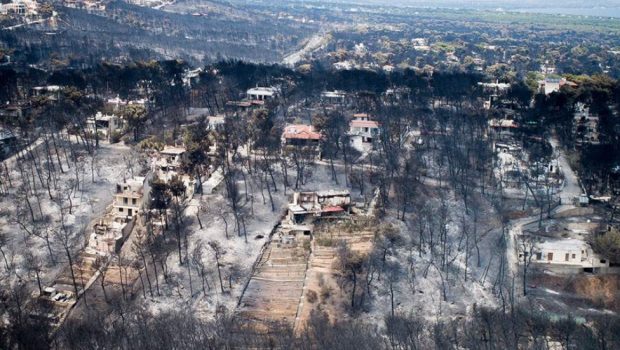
(499, 3)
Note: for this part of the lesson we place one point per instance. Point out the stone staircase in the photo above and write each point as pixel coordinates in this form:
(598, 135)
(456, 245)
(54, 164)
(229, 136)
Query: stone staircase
(275, 288)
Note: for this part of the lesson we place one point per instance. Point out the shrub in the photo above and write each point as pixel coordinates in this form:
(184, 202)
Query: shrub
(115, 137)
(326, 292)
(325, 242)
(311, 296)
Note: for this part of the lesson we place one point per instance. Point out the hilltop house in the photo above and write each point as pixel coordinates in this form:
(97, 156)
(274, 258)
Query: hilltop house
(129, 197)
(551, 85)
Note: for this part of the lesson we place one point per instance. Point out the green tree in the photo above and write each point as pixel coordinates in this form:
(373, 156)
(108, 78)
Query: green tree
(136, 116)
(608, 245)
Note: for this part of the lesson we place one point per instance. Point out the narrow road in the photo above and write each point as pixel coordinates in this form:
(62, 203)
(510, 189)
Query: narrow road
(313, 44)
(571, 188)
(9, 162)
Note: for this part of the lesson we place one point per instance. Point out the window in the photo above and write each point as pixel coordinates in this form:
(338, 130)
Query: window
(125, 200)
(538, 256)
(120, 210)
(566, 257)
(133, 201)
(603, 261)
(574, 256)
(549, 256)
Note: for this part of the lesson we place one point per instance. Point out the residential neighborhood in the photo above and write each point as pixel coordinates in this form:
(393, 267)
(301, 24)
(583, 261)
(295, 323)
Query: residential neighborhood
(309, 175)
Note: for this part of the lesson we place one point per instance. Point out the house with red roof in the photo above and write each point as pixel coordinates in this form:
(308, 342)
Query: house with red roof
(300, 135)
(309, 206)
(362, 133)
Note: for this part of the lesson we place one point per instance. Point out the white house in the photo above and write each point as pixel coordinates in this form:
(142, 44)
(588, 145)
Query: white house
(19, 7)
(323, 204)
(335, 96)
(494, 87)
(551, 85)
(503, 124)
(420, 44)
(117, 103)
(361, 116)
(170, 159)
(104, 123)
(362, 133)
(128, 197)
(216, 122)
(261, 93)
(50, 91)
(191, 76)
(569, 255)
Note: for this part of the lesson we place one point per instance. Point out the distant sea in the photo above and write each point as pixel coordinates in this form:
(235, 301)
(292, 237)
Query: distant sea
(590, 11)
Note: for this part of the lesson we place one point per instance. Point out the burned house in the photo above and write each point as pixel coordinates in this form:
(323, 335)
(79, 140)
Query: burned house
(301, 135)
(51, 92)
(507, 147)
(105, 124)
(503, 125)
(333, 97)
(585, 126)
(128, 198)
(171, 159)
(309, 206)
(11, 112)
(169, 163)
(109, 234)
(261, 93)
(363, 133)
(8, 143)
